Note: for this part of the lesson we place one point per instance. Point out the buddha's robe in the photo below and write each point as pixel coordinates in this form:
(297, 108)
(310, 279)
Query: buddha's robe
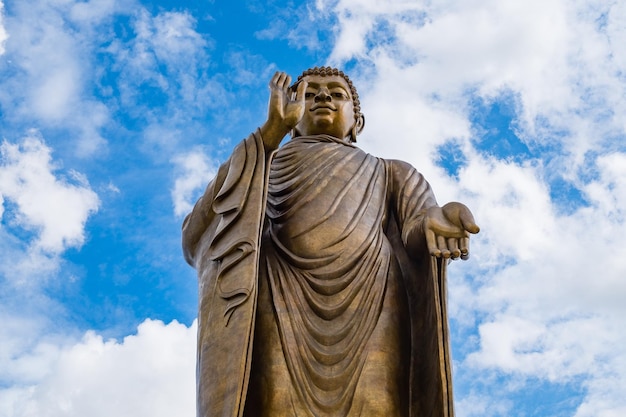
(316, 295)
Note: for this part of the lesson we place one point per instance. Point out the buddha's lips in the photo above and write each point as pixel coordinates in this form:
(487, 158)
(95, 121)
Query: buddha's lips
(322, 106)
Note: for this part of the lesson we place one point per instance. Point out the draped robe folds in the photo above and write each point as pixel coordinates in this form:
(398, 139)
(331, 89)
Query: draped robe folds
(327, 226)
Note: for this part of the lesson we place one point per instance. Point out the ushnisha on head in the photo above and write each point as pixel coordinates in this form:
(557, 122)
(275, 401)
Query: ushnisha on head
(330, 98)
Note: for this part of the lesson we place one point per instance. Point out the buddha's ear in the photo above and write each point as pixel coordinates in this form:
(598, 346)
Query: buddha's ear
(356, 130)
(360, 124)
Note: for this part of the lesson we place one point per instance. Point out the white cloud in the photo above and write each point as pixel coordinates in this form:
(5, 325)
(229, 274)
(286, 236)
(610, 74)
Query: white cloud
(3, 32)
(55, 208)
(55, 76)
(166, 58)
(93, 12)
(49, 71)
(609, 191)
(166, 53)
(151, 373)
(194, 170)
(167, 38)
(22, 359)
(557, 56)
(300, 24)
(481, 405)
(545, 289)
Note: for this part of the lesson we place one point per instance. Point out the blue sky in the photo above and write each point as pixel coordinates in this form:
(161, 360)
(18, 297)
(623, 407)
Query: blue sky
(114, 115)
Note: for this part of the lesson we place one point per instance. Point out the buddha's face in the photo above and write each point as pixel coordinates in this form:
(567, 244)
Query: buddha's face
(328, 107)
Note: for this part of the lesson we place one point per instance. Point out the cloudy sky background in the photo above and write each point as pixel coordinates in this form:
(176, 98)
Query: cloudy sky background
(114, 114)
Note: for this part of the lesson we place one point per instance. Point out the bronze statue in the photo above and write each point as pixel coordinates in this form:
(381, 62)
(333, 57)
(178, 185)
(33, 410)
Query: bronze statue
(321, 269)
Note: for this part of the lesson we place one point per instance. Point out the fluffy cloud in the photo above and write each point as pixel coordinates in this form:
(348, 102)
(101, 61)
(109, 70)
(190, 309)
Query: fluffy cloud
(166, 40)
(165, 58)
(151, 373)
(3, 32)
(55, 208)
(55, 77)
(544, 289)
(558, 57)
(194, 171)
(49, 72)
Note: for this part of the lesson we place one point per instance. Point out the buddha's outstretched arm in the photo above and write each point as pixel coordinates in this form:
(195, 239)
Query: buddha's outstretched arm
(441, 231)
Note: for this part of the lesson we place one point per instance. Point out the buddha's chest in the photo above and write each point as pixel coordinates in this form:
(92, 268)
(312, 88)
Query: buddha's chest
(340, 204)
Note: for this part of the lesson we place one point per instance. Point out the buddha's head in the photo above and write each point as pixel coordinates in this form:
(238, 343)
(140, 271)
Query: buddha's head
(332, 105)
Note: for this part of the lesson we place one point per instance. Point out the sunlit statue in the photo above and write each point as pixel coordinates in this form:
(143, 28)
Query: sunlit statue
(322, 269)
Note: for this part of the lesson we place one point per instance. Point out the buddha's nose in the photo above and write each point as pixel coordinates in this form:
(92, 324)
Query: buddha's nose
(322, 95)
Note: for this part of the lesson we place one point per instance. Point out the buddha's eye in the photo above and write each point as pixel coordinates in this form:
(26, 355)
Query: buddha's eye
(309, 95)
